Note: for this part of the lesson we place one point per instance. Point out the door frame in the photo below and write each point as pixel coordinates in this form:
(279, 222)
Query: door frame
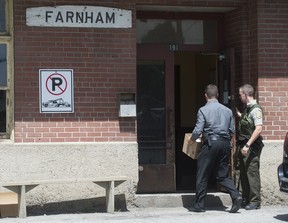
(156, 51)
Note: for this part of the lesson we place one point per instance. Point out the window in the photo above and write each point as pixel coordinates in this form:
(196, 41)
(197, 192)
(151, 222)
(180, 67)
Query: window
(2, 16)
(197, 32)
(6, 69)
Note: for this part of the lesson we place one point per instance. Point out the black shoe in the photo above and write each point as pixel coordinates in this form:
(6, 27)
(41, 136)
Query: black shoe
(252, 206)
(243, 205)
(236, 205)
(194, 209)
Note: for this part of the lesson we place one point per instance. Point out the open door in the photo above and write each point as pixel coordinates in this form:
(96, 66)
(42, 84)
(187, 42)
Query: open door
(227, 77)
(155, 119)
(227, 91)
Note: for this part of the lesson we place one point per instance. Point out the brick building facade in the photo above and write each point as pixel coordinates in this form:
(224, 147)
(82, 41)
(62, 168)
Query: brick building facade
(257, 31)
(251, 35)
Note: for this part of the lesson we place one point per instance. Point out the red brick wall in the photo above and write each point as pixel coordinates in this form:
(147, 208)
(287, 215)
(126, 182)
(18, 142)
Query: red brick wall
(258, 32)
(202, 3)
(104, 64)
(273, 66)
(236, 37)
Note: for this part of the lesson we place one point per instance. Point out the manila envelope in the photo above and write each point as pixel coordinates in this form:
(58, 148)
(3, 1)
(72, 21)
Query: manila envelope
(191, 148)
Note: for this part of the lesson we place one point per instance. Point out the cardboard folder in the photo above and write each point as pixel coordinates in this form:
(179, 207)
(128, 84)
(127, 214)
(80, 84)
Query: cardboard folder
(191, 148)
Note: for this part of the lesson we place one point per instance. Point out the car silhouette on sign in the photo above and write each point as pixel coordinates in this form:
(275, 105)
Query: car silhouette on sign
(56, 103)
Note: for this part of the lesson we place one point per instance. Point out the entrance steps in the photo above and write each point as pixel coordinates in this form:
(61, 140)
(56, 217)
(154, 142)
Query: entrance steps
(212, 200)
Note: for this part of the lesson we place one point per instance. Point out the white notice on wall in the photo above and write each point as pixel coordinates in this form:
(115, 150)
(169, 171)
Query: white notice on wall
(56, 91)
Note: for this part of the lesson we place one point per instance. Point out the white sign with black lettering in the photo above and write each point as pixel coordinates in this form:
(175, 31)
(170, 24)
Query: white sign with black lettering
(56, 90)
(79, 16)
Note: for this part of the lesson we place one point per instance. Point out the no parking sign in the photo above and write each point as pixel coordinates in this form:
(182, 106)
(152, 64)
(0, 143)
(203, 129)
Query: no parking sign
(56, 91)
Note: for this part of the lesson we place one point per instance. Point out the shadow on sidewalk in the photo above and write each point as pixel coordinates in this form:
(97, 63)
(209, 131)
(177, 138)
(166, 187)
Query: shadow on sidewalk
(212, 202)
(91, 205)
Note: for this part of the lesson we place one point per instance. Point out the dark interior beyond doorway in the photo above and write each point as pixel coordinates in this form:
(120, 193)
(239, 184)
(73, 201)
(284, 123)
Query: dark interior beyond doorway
(192, 73)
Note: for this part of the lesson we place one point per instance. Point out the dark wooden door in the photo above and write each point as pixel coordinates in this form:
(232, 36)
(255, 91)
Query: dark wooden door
(155, 119)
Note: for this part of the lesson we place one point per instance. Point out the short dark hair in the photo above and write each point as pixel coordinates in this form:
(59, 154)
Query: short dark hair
(211, 91)
(247, 89)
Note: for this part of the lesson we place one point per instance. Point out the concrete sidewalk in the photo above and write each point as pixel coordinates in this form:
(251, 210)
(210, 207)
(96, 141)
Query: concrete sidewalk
(158, 208)
(164, 215)
(217, 199)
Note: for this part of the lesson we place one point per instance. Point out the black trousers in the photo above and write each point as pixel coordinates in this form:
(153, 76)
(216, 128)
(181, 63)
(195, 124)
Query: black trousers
(214, 158)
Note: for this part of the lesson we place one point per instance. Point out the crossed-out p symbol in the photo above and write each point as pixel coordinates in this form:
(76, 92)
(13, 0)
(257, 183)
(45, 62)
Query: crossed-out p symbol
(56, 81)
(56, 84)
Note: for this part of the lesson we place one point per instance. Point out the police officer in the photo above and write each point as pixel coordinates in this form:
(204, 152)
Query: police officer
(250, 146)
(215, 123)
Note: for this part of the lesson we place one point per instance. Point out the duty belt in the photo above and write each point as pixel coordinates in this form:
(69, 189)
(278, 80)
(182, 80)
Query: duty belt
(218, 138)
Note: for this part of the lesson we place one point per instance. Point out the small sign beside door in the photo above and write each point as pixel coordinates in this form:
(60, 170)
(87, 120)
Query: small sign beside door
(56, 91)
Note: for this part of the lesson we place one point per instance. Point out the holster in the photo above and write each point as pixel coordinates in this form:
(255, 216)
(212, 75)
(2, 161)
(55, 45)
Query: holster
(256, 146)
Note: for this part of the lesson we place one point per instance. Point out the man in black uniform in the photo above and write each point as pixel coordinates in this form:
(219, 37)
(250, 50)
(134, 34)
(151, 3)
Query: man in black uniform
(216, 124)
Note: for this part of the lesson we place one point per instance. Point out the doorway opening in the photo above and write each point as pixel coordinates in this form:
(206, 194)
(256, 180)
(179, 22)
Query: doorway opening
(173, 69)
(193, 72)
(170, 90)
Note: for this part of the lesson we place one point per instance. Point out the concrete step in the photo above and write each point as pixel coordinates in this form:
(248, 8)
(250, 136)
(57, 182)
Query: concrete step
(180, 200)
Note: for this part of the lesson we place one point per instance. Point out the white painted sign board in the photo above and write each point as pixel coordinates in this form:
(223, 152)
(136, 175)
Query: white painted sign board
(79, 16)
(56, 91)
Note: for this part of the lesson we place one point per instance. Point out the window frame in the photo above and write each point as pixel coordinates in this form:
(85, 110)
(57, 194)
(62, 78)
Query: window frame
(6, 38)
